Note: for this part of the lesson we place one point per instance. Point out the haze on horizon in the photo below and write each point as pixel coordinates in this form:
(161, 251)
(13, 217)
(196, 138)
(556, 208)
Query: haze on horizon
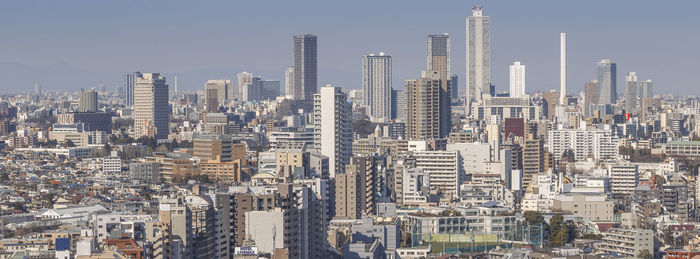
(80, 44)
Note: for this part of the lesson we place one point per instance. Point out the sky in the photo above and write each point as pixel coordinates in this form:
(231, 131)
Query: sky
(70, 45)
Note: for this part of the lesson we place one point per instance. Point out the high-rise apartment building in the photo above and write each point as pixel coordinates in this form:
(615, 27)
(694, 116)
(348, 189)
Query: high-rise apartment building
(129, 86)
(305, 67)
(646, 89)
(517, 80)
(151, 110)
(356, 189)
(88, 101)
(551, 99)
(533, 159)
(601, 145)
(376, 86)
(478, 80)
(590, 96)
(630, 92)
(423, 111)
(333, 127)
(607, 82)
(439, 60)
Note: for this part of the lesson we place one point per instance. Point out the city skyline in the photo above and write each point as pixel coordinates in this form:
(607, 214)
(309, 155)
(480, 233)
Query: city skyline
(74, 51)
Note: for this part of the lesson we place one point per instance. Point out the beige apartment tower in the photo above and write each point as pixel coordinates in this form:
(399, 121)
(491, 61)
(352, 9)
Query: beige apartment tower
(151, 111)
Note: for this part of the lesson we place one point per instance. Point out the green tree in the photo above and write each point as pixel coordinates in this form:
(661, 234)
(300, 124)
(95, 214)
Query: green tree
(645, 254)
(108, 148)
(533, 217)
(69, 143)
(560, 238)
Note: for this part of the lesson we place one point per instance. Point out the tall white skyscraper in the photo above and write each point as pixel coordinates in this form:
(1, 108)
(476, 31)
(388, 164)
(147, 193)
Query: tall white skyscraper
(244, 78)
(289, 83)
(151, 111)
(630, 92)
(478, 79)
(305, 67)
(376, 86)
(607, 82)
(562, 68)
(333, 127)
(517, 80)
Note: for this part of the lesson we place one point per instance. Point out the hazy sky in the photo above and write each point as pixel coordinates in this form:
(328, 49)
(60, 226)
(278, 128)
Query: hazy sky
(80, 44)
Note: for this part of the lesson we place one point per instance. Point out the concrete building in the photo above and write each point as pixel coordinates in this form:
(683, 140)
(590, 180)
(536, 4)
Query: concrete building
(333, 127)
(607, 82)
(590, 96)
(356, 189)
(533, 159)
(244, 79)
(505, 107)
(595, 207)
(424, 118)
(646, 89)
(517, 80)
(398, 105)
(211, 98)
(601, 145)
(151, 109)
(624, 178)
(129, 87)
(289, 83)
(88, 101)
(630, 92)
(213, 147)
(223, 89)
(305, 67)
(439, 60)
(478, 76)
(444, 169)
(627, 242)
(94, 121)
(376, 86)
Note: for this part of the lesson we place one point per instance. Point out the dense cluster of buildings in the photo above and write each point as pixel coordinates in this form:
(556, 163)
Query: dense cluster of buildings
(245, 169)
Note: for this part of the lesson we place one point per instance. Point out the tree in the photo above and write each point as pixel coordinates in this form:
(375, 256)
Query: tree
(69, 143)
(533, 217)
(645, 254)
(4, 178)
(108, 148)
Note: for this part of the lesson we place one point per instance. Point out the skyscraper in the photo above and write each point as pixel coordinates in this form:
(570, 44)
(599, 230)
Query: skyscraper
(562, 68)
(88, 101)
(517, 80)
(244, 78)
(151, 111)
(305, 67)
(423, 107)
(376, 86)
(590, 96)
(630, 92)
(398, 103)
(455, 88)
(478, 80)
(289, 83)
(222, 87)
(211, 98)
(646, 89)
(607, 82)
(37, 89)
(129, 84)
(333, 127)
(439, 60)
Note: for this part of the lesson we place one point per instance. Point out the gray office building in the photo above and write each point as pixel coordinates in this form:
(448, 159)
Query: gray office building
(129, 84)
(88, 101)
(607, 82)
(646, 89)
(305, 67)
(630, 92)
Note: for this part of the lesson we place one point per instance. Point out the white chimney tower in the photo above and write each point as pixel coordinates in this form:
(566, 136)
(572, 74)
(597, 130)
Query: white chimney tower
(562, 92)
